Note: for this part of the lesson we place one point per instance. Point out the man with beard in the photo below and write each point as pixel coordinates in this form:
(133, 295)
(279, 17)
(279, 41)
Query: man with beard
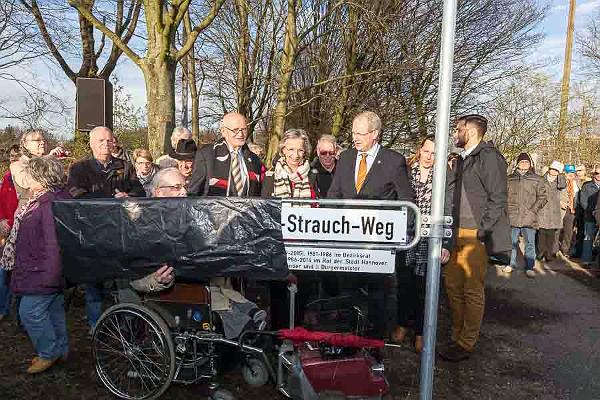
(480, 208)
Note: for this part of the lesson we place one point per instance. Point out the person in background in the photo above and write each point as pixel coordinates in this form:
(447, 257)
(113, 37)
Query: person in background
(588, 197)
(33, 143)
(32, 254)
(144, 169)
(324, 165)
(411, 277)
(179, 133)
(8, 207)
(185, 153)
(527, 195)
(258, 150)
(101, 176)
(568, 203)
(550, 218)
(120, 152)
(581, 179)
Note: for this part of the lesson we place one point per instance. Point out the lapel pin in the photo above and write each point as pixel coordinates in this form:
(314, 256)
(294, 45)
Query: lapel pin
(378, 161)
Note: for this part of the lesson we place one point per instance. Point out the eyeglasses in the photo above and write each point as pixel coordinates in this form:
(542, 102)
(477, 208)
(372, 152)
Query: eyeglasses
(327, 153)
(238, 130)
(144, 163)
(173, 187)
(362, 134)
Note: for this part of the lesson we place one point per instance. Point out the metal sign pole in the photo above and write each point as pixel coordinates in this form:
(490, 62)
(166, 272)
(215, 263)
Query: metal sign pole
(439, 191)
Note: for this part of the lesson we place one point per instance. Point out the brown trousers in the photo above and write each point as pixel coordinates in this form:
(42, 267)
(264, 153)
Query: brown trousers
(465, 284)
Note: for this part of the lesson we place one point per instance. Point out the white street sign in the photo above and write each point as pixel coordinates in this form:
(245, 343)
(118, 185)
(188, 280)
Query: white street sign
(346, 224)
(340, 260)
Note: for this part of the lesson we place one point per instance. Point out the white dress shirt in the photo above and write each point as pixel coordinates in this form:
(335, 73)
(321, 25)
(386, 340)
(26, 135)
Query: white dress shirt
(371, 154)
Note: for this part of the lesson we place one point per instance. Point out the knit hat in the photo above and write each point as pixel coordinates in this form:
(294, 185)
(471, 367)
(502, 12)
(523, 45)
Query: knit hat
(570, 168)
(524, 157)
(557, 165)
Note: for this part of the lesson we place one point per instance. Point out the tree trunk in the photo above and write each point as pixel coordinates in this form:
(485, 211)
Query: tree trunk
(193, 85)
(160, 105)
(288, 60)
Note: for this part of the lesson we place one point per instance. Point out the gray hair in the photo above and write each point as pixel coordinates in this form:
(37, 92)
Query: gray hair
(180, 131)
(372, 119)
(295, 134)
(25, 137)
(48, 171)
(160, 177)
(100, 128)
(327, 138)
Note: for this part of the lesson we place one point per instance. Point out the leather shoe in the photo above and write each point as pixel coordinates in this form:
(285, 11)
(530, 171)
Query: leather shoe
(40, 365)
(455, 353)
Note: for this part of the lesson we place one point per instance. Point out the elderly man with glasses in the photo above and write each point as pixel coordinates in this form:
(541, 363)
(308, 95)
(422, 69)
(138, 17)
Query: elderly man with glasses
(588, 197)
(228, 168)
(324, 165)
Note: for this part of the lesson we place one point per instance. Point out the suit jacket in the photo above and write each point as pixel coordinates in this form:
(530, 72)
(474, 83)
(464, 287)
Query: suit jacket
(210, 176)
(387, 179)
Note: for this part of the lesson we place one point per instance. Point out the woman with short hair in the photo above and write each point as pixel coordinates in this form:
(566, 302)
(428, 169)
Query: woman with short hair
(291, 178)
(144, 169)
(32, 253)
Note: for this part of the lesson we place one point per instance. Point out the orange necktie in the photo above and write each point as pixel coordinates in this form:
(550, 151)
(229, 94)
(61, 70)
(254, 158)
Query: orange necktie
(362, 172)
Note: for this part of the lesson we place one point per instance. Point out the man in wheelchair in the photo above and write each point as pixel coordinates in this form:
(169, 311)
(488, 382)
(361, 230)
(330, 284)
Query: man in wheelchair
(236, 313)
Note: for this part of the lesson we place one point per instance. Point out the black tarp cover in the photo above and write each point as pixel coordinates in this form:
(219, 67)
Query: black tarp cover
(201, 237)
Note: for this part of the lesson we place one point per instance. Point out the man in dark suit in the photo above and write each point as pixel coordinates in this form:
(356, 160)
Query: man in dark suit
(370, 171)
(228, 168)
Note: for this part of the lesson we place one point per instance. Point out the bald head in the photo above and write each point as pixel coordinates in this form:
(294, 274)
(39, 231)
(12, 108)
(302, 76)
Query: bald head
(234, 129)
(169, 182)
(102, 143)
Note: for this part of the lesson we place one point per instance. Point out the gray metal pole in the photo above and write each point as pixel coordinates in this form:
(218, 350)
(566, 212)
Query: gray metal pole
(438, 196)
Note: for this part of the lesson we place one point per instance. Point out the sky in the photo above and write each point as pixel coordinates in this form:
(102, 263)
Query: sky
(49, 76)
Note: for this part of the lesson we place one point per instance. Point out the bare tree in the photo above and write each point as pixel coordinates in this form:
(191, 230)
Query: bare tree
(589, 43)
(163, 19)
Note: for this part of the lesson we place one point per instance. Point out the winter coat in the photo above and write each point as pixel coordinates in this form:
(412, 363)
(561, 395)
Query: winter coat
(588, 196)
(527, 195)
(38, 268)
(481, 182)
(550, 216)
(8, 203)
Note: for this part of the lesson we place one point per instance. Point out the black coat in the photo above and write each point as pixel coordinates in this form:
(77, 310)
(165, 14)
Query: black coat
(87, 180)
(387, 179)
(482, 175)
(588, 197)
(210, 176)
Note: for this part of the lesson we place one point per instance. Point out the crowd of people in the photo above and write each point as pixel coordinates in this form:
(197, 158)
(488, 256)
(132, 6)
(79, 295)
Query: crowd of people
(554, 214)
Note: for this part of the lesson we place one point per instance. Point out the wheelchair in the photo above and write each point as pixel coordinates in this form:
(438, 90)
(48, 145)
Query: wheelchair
(143, 344)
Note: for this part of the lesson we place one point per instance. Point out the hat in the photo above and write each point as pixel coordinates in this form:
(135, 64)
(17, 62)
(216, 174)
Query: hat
(524, 157)
(186, 150)
(557, 165)
(570, 168)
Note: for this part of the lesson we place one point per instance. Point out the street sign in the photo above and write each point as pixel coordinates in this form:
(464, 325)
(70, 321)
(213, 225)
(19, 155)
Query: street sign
(341, 260)
(344, 225)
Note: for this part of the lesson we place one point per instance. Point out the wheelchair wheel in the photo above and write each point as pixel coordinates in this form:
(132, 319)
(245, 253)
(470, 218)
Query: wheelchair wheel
(255, 372)
(133, 352)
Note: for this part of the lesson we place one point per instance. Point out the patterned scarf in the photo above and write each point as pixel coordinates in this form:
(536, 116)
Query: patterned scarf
(417, 257)
(7, 261)
(290, 184)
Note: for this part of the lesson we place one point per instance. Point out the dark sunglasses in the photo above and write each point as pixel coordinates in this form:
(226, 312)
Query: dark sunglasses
(327, 153)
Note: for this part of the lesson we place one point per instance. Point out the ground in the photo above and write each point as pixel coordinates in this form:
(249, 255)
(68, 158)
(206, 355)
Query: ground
(539, 340)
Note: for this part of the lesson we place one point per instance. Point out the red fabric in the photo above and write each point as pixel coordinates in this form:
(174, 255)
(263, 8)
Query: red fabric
(8, 199)
(297, 335)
